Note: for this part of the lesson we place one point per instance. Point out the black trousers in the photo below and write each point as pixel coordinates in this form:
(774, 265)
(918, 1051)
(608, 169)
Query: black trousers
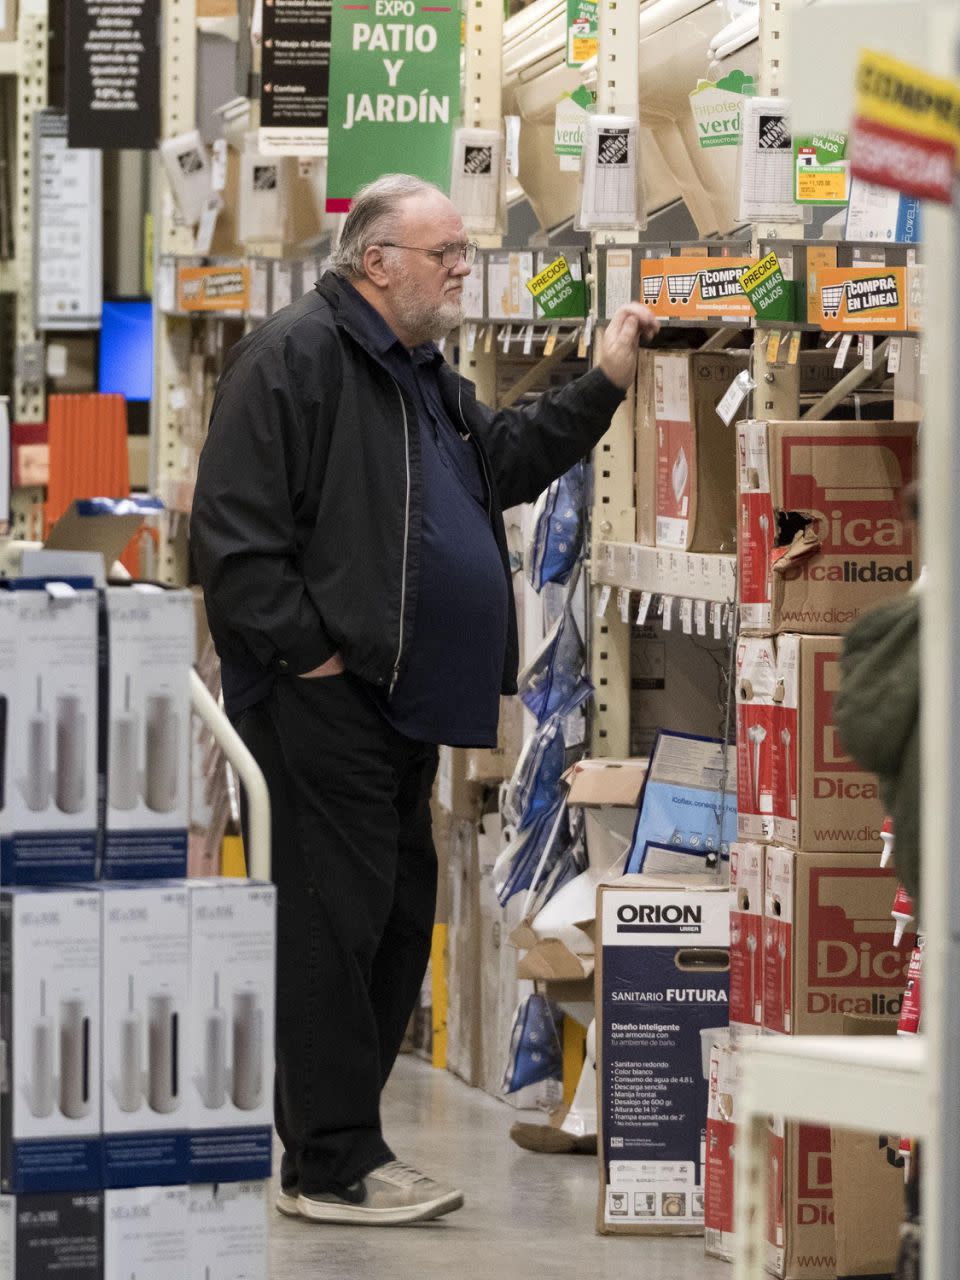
(356, 876)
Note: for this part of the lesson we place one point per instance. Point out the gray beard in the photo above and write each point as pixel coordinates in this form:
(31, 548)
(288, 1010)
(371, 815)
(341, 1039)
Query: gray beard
(424, 321)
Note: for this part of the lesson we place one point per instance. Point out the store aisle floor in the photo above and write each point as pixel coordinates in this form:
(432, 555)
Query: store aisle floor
(526, 1216)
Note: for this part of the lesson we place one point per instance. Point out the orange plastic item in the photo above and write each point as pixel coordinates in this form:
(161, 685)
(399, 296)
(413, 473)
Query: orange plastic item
(88, 451)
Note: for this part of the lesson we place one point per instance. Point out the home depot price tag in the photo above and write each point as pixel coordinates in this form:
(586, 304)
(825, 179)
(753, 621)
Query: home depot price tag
(583, 38)
(623, 603)
(843, 350)
(667, 618)
(603, 600)
(700, 617)
(646, 598)
(734, 396)
(894, 353)
(821, 169)
(906, 129)
(686, 617)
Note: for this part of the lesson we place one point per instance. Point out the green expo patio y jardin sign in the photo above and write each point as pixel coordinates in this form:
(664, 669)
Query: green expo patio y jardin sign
(394, 93)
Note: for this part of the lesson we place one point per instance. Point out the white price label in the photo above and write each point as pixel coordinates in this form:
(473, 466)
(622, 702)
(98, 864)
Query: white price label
(167, 285)
(646, 598)
(868, 352)
(667, 613)
(528, 340)
(218, 165)
(716, 618)
(894, 353)
(734, 396)
(700, 617)
(686, 617)
(842, 351)
(506, 337)
(623, 604)
(604, 600)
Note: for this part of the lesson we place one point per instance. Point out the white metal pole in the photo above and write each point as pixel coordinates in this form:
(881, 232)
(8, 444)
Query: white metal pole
(258, 797)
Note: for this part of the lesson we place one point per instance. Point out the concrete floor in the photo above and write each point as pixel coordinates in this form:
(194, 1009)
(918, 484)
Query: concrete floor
(526, 1216)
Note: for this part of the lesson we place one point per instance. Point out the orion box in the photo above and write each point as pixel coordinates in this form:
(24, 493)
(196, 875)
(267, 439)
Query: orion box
(662, 995)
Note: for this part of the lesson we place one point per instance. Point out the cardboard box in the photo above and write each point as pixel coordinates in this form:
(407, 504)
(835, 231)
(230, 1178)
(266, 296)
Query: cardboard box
(661, 984)
(52, 1237)
(868, 1202)
(146, 1233)
(724, 1089)
(746, 938)
(608, 791)
(454, 791)
(823, 800)
(53, 815)
(696, 470)
(232, 992)
(645, 449)
(494, 764)
(672, 682)
(801, 1243)
(464, 1043)
(758, 727)
(228, 1231)
(146, 1033)
(50, 1028)
(150, 656)
(822, 530)
(828, 942)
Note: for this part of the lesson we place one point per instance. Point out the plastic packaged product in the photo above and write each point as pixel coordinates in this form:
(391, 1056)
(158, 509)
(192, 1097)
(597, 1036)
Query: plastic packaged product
(541, 858)
(536, 1044)
(526, 851)
(553, 684)
(558, 530)
(535, 786)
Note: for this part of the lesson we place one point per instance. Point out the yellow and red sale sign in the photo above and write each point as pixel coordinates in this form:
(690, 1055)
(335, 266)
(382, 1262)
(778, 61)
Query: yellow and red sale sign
(689, 287)
(860, 299)
(906, 129)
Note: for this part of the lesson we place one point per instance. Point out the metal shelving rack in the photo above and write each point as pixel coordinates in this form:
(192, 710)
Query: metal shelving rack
(26, 58)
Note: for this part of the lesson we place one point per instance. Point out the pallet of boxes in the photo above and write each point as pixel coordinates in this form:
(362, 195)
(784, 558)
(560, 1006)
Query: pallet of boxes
(822, 540)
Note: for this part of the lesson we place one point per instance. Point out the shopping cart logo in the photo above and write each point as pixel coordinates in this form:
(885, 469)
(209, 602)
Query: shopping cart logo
(680, 288)
(874, 293)
(715, 284)
(652, 288)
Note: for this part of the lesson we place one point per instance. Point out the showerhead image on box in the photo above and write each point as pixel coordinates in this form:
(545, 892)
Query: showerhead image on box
(52, 762)
(50, 1008)
(151, 641)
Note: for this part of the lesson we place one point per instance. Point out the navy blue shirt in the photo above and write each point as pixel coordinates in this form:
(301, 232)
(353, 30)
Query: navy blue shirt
(449, 687)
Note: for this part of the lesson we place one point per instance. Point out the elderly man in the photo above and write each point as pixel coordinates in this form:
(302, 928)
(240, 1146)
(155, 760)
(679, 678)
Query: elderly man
(347, 531)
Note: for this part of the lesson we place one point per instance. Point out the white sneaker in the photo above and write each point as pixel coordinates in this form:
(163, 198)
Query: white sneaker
(388, 1196)
(288, 1203)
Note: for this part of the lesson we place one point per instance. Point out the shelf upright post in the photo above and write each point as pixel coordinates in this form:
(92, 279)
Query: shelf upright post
(778, 385)
(172, 333)
(613, 518)
(29, 400)
(940, 695)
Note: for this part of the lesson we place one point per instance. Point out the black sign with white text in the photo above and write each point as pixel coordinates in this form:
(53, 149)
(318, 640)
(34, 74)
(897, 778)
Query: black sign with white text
(113, 74)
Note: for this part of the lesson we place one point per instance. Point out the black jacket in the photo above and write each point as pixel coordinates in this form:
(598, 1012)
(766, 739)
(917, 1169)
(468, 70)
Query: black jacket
(306, 516)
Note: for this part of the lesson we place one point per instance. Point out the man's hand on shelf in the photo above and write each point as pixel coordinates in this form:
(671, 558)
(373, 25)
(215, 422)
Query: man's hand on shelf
(631, 324)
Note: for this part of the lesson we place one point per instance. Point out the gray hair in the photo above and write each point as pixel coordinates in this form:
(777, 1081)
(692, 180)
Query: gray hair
(372, 217)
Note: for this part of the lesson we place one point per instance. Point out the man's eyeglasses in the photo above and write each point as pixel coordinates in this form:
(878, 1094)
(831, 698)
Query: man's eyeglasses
(449, 255)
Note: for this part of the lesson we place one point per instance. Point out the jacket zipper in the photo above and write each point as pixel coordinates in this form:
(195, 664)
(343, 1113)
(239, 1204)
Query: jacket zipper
(406, 539)
(480, 454)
